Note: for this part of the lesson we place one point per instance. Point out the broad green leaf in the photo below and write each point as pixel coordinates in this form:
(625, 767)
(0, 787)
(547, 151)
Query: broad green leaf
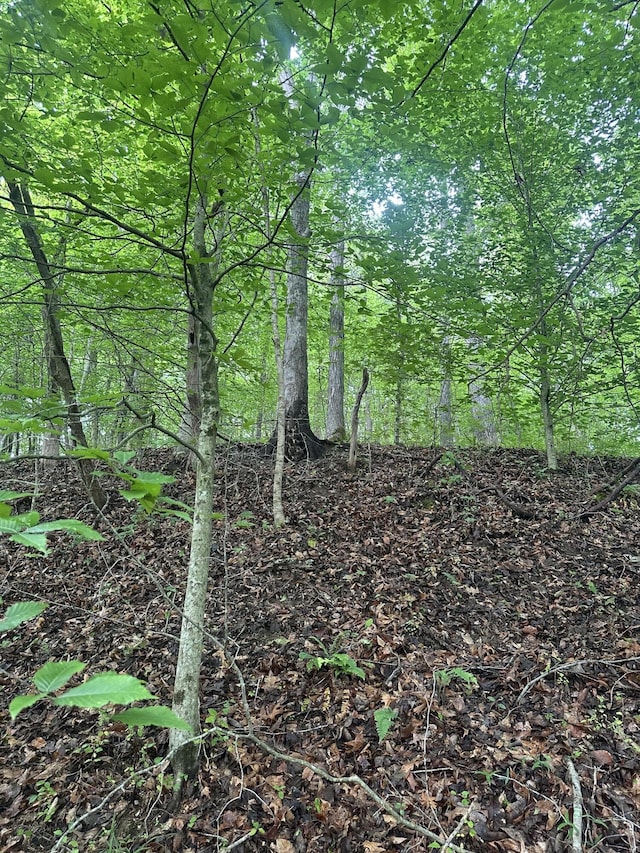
(31, 540)
(13, 496)
(28, 520)
(72, 524)
(10, 525)
(146, 501)
(19, 703)
(89, 453)
(122, 457)
(55, 674)
(109, 687)
(156, 715)
(21, 611)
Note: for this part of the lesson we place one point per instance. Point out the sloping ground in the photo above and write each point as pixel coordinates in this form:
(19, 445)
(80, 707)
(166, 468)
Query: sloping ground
(502, 629)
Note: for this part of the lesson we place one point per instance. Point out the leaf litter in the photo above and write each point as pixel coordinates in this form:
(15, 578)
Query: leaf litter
(498, 627)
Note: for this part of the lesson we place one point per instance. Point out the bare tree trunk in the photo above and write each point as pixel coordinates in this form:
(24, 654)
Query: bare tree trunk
(186, 701)
(547, 421)
(57, 364)
(299, 439)
(445, 414)
(192, 413)
(336, 430)
(351, 464)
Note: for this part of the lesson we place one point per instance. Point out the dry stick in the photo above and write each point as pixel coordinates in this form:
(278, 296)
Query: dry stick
(614, 494)
(576, 832)
(570, 665)
(103, 802)
(351, 465)
(611, 483)
(345, 780)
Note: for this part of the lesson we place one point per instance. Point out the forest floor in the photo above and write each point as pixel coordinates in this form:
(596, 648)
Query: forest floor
(500, 626)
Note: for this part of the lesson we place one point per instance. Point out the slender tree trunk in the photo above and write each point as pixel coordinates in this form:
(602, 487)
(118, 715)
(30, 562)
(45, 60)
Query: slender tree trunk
(336, 430)
(353, 445)
(57, 364)
(299, 439)
(397, 412)
(445, 414)
(547, 421)
(186, 701)
(192, 413)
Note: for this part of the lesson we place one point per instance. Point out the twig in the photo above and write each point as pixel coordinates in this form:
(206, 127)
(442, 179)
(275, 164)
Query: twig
(447, 844)
(103, 802)
(344, 780)
(631, 476)
(576, 833)
(569, 665)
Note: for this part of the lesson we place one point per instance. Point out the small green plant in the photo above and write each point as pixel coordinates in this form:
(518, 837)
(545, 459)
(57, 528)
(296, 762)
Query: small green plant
(144, 487)
(340, 662)
(219, 723)
(46, 798)
(384, 718)
(445, 677)
(98, 691)
(542, 762)
(26, 529)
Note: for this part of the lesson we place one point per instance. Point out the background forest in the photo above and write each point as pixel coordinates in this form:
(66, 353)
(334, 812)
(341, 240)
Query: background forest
(446, 194)
(219, 222)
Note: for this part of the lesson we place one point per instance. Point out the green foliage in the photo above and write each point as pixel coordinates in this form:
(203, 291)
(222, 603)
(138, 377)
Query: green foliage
(384, 718)
(338, 662)
(144, 487)
(445, 677)
(21, 611)
(26, 529)
(107, 688)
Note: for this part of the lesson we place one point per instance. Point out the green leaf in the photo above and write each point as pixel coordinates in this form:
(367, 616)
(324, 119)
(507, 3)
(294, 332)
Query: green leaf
(19, 703)
(89, 453)
(155, 715)
(72, 524)
(14, 496)
(55, 674)
(31, 540)
(109, 687)
(384, 718)
(122, 457)
(10, 525)
(28, 520)
(21, 611)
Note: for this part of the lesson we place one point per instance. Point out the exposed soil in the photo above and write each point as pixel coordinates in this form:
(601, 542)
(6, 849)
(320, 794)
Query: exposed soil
(502, 628)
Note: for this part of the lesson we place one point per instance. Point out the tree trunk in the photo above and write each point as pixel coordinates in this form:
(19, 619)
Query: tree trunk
(353, 445)
(192, 413)
(300, 442)
(336, 430)
(57, 364)
(446, 433)
(547, 420)
(186, 697)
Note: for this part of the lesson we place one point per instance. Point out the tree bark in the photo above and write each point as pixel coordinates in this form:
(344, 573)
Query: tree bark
(57, 363)
(336, 431)
(351, 465)
(300, 441)
(186, 698)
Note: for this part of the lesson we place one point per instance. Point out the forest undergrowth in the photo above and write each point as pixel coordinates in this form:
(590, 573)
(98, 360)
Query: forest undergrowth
(456, 629)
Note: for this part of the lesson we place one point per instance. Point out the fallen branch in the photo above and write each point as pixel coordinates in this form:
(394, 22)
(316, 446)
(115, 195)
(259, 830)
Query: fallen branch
(344, 780)
(576, 832)
(633, 472)
(516, 509)
(574, 664)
